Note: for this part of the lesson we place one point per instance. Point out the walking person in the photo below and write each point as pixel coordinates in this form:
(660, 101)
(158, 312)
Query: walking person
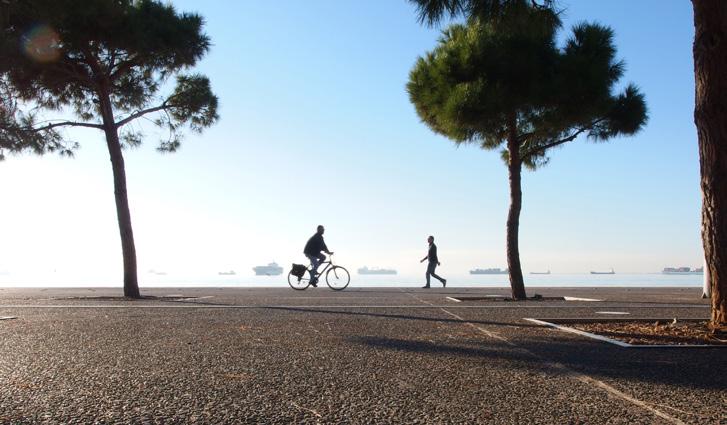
(313, 249)
(433, 263)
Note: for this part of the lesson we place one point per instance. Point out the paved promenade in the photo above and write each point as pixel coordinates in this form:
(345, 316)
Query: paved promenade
(358, 356)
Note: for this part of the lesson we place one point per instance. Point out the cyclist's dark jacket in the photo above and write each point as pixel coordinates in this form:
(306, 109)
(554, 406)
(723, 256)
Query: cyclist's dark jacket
(315, 245)
(432, 255)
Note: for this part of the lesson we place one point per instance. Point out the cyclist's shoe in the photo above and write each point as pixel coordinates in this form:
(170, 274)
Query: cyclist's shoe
(314, 282)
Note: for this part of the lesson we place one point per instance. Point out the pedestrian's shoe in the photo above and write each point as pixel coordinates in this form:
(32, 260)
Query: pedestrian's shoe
(425, 287)
(444, 283)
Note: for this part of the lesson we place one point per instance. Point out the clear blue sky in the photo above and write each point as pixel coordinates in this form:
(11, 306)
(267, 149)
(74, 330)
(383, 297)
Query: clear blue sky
(316, 127)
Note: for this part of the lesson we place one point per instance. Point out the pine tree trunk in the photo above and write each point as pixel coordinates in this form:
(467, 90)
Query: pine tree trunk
(517, 285)
(710, 116)
(128, 250)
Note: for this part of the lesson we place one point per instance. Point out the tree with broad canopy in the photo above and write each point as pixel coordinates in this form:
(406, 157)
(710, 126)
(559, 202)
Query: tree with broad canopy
(106, 64)
(710, 118)
(503, 83)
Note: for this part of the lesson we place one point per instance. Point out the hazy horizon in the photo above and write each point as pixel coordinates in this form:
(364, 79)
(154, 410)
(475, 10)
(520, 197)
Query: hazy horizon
(316, 128)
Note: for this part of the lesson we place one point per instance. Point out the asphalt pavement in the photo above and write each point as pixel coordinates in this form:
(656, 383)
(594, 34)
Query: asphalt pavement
(363, 355)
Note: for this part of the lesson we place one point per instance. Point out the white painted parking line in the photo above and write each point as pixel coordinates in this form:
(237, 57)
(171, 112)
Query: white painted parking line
(614, 313)
(7, 317)
(582, 299)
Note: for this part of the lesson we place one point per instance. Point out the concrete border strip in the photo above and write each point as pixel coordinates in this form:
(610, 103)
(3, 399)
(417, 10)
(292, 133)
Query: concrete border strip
(577, 332)
(7, 317)
(195, 298)
(615, 341)
(582, 299)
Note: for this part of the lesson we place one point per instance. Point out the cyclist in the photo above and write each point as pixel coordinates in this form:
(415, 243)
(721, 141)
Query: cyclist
(313, 249)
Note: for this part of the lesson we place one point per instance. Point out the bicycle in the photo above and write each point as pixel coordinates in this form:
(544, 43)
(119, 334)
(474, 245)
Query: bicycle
(337, 277)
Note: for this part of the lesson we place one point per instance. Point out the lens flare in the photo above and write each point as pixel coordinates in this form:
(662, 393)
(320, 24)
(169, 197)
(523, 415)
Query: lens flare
(42, 44)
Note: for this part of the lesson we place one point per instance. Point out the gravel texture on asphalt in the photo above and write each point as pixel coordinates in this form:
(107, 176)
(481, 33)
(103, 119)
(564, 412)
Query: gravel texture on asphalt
(358, 356)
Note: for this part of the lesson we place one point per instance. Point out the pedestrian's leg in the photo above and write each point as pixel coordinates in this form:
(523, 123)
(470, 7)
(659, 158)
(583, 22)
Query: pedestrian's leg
(434, 267)
(437, 277)
(429, 272)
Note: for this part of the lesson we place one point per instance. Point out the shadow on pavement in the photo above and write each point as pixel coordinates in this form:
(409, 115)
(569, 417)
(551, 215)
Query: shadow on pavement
(402, 316)
(686, 368)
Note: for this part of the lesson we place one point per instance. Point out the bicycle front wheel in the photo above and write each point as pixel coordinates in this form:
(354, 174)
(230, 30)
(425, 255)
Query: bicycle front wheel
(337, 278)
(298, 283)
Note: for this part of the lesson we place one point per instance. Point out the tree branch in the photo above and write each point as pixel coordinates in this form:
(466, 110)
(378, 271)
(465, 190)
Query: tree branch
(138, 114)
(570, 138)
(65, 124)
(164, 106)
(122, 67)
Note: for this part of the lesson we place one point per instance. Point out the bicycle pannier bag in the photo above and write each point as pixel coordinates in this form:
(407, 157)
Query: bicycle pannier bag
(298, 270)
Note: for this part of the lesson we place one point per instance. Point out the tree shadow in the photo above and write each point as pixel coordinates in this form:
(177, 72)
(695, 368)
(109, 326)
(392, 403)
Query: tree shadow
(401, 316)
(686, 368)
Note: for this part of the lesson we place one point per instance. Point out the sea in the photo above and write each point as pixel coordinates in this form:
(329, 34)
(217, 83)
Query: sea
(171, 280)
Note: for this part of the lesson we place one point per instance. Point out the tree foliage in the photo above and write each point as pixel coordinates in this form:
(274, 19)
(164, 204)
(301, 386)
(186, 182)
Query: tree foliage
(481, 77)
(58, 56)
(14, 134)
(433, 12)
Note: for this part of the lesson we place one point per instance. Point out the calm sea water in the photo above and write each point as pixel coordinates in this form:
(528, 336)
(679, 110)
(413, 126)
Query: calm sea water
(213, 280)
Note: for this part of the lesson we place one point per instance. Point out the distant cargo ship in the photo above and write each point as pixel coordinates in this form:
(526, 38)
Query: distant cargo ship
(272, 269)
(682, 270)
(548, 272)
(488, 271)
(608, 272)
(375, 270)
(158, 273)
(230, 273)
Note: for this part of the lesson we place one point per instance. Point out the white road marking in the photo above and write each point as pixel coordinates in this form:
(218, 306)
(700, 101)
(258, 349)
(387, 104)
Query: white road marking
(615, 313)
(581, 299)
(567, 371)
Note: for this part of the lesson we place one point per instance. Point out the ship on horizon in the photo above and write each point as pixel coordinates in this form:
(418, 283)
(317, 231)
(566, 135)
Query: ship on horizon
(229, 273)
(682, 270)
(488, 271)
(272, 269)
(375, 270)
(608, 272)
(548, 272)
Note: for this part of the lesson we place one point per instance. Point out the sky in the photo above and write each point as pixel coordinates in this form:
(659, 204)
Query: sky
(316, 128)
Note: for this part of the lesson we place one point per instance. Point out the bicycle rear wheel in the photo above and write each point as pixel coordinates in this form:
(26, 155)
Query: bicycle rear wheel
(337, 278)
(298, 283)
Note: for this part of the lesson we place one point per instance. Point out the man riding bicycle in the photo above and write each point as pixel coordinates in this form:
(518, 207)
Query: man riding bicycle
(313, 249)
